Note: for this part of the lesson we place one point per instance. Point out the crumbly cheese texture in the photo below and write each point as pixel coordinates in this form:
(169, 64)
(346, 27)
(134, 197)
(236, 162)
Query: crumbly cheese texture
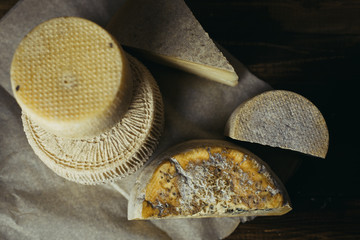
(212, 181)
(282, 119)
(167, 32)
(70, 76)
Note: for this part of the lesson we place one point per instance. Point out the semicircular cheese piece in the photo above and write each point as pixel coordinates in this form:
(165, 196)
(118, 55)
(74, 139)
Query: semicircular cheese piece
(207, 178)
(70, 76)
(168, 32)
(115, 153)
(281, 119)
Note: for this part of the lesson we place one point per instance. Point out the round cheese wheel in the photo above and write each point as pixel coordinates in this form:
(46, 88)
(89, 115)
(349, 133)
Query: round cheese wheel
(71, 77)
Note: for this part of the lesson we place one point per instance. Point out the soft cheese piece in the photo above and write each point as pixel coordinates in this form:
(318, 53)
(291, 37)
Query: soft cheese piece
(115, 153)
(167, 32)
(280, 119)
(71, 77)
(207, 178)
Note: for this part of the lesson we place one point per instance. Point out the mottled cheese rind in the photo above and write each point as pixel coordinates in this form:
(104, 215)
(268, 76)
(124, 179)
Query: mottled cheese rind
(167, 32)
(281, 119)
(207, 178)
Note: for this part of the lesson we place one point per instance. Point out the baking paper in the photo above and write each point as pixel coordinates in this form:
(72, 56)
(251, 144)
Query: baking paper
(35, 203)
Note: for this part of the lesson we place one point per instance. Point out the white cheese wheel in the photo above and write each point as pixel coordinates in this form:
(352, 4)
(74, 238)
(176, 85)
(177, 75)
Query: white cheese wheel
(207, 178)
(281, 119)
(115, 153)
(71, 77)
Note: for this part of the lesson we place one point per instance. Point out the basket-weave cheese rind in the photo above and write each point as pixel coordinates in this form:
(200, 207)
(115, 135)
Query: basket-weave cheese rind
(114, 154)
(71, 77)
(207, 178)
(167, 32)
(280, 119)
(81, 113)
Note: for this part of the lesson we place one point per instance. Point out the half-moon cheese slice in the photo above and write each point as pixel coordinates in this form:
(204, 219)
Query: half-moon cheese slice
(207, 178)
(167, 32)
(281, 119)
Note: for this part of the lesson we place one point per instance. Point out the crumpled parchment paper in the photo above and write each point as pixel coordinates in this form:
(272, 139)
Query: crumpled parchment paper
(35, 203)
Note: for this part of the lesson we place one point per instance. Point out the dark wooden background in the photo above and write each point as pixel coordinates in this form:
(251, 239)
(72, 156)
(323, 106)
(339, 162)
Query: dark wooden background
(311, 47)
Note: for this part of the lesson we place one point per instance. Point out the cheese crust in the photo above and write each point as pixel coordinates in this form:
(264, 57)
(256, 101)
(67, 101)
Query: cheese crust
(115, 153)
(282, 119)
(167, 32)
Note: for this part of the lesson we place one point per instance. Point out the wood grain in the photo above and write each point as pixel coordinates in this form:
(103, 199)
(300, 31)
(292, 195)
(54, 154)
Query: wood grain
(312, 48)
(309, 223)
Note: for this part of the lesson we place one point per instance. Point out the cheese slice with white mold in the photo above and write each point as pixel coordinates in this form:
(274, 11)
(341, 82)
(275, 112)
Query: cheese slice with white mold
(207, 178)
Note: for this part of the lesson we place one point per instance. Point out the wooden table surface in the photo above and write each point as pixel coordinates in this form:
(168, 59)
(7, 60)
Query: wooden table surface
(310, 47)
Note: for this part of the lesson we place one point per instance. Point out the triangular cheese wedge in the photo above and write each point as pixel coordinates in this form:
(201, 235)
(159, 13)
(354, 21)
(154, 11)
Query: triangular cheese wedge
(280, 119)
(207, 178)
(167, 32)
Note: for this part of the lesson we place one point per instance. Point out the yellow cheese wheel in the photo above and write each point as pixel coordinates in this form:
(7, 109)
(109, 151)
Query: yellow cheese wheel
(71, 77)
(91, 112)
(115, 153)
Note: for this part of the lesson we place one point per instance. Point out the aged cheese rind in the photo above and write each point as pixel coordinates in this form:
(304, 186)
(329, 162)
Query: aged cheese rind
(71, 77)
(280, 119)
(114, 154)
(207, 178)
(167, 32)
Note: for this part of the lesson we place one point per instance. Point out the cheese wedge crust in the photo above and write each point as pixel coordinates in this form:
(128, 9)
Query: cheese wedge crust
(281, 119)
(167, 32)
(207, 178)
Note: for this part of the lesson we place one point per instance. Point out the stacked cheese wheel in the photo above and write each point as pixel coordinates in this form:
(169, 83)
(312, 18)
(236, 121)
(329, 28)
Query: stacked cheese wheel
(91, 112)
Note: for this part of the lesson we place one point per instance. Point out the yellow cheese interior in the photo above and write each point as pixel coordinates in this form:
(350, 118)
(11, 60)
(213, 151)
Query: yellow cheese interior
(208, 181)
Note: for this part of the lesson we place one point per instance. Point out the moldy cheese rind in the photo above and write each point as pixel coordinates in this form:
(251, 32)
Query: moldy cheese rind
(207, 178)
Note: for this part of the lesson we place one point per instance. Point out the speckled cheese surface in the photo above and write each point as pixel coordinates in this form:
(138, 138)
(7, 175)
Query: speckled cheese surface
(208, 178)
(168, 31)
(282, 119)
